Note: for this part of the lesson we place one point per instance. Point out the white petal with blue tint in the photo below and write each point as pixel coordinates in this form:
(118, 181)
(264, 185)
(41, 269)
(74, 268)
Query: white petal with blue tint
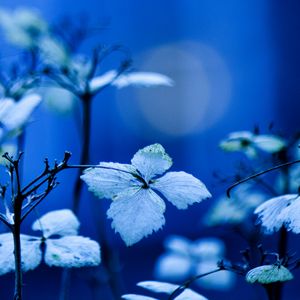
(178, 244)
(7, 262)
(30, 252)
(181, 189)
(143, 79)
(208, 248)
(151, 161)
(72, 252)
(58, 222)
(19, 114)
(101, 81)
(137, 297)
(5, 106)
(269, 143)
(109, 181)
(53, 51)
(269, 211)
(136, 215)
(173, 267)
(290, 216)
(269, 274)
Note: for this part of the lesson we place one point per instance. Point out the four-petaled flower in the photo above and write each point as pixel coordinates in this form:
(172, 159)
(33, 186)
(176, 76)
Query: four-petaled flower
(137, 209)
(64, 248)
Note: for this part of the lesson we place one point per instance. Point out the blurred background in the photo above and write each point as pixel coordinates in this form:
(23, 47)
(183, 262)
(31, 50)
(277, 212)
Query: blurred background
(235, 64)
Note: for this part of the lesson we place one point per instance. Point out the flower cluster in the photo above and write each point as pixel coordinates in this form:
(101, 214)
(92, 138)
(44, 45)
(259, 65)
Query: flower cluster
(63, 246)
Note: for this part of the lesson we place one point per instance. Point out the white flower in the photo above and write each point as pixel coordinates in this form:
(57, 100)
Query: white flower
(22, 27)
(236, 209)
(247, 142)
(185, 259)
(142, 79)
(165, 288)
(280, 211)
(269, 274)
(68, 250)
(137, 210)
(15, 115)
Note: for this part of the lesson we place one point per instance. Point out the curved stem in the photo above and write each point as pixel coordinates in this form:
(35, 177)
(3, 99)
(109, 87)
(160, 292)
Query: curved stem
(186, 284)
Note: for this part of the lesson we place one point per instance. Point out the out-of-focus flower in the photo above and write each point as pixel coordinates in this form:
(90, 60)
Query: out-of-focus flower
(236, 209)
(139, 79)
(249, 143)
(137, 209)
(15, 115)
(280, 211)
(23, 27)
(267, 274)
(68, 250)
(184, 259)
(163, 288)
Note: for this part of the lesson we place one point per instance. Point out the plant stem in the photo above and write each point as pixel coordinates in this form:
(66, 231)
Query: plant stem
(18, 265)
(269, 291)
(84, 160)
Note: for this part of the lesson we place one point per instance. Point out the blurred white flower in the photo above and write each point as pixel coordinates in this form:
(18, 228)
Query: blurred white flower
(269, 274)
(23, 27)
(249, 143)
(280, 211)
(68, 250)
(137, 210)
(15, 115)
(236, 209)
(139, 79)
(184, 259)
(164, 288)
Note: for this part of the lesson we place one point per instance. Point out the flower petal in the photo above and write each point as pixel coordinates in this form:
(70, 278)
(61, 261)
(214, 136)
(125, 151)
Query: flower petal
(168, 288)
(5, 106)
(268, 274)
(137, 215)
(178, 244)
(111, 180)
(269, 212)
(269, 143)
(290, 216)
(137, 297)
(72, 252)
(208, 248)
(173, 267)
(18, 114)
(30, 252)
(101, 81)
(61, 222)
(181, 189)
(152, 160)
(143, 79)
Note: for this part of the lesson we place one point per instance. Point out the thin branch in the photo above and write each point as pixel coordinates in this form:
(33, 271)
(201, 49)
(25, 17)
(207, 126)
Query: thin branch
(187, 283)
(259, 174)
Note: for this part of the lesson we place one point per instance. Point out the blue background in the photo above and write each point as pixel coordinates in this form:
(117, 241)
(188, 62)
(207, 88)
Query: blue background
(235, 65)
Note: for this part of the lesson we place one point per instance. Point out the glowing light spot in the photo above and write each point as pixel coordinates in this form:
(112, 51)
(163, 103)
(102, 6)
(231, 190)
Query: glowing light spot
(198, 99)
